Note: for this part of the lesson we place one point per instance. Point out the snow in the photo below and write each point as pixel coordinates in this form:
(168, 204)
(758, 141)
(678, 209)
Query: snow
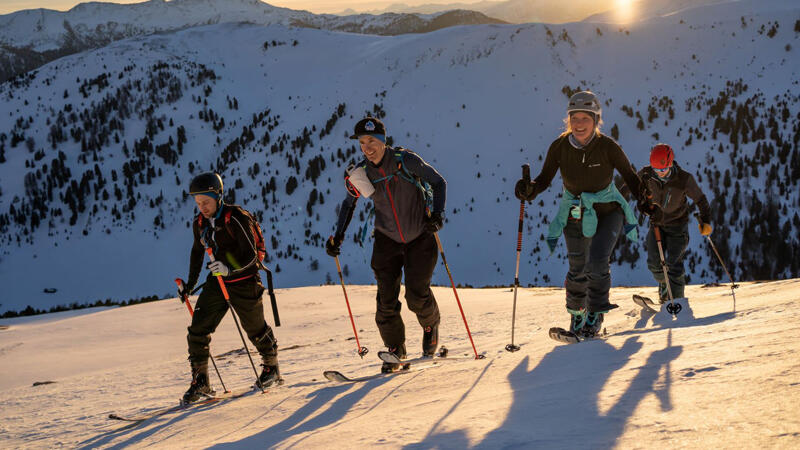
(716, 378)
(437, 103)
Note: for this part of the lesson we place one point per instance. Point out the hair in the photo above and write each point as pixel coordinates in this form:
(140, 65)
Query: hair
(597, 125)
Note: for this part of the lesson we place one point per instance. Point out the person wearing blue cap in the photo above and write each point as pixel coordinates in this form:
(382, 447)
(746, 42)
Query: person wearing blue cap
(409, 199)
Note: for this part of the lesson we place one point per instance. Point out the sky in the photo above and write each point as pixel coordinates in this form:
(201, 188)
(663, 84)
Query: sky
(317, 6)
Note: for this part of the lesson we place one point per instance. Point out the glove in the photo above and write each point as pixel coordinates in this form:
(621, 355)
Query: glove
(434, 222)
(705, 228)
(332, 246)
(646, 207)
(184, 290)
(525, 191)
(218, 269)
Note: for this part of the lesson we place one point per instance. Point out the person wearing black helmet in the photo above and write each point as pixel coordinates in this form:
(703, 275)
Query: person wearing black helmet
(226, 230)
(670, 186)
(409, 199)
(592, 212)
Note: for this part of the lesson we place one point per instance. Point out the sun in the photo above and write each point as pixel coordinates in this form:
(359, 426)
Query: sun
(624, 10)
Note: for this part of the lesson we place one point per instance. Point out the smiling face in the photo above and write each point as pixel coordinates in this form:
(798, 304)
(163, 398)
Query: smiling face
(207, 205)
(582, 126)
(373, 148)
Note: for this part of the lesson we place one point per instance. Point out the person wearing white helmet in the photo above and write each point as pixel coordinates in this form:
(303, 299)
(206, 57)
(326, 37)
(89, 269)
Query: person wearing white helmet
(592, 212)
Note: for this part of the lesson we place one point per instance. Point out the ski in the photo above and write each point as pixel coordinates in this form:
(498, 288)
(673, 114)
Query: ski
(564, 336)
(338, 377)
(568, 337)
(390, 357)
(181, 406)
(647, 304)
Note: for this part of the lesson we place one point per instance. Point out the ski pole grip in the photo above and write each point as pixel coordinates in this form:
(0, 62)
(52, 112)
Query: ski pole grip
(219, 278)
(526, 173)
(184, 299)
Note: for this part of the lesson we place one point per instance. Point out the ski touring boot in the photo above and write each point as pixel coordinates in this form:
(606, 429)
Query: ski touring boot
(200, 388)
(270, 374)
(593, 324)
(577, 320)
(430, 341)
(400, 352)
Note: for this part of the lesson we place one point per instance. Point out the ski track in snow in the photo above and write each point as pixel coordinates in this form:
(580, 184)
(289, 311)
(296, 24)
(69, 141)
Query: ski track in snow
(714, 378)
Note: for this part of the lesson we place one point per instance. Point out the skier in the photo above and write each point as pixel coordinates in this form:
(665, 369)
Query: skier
(399, 183)
(669, 186)
(226, 230)
(592, 210)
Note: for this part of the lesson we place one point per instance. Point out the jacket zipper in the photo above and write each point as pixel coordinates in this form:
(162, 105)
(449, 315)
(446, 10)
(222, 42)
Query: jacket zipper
(391, 202)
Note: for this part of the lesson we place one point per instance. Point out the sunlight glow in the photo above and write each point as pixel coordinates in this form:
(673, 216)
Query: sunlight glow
(624, 10)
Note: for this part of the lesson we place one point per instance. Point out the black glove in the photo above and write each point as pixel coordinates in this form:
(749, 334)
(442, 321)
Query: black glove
(184, 291)
(332, 246)
(525, 191)
(646, 207)
(434, 222)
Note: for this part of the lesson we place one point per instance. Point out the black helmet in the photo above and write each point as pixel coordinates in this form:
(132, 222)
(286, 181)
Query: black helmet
(208, 182)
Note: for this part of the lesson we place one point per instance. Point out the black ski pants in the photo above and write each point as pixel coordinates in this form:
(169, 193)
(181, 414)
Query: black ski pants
(674, 240)
(245, 297)
(389, 260)
(589, 277)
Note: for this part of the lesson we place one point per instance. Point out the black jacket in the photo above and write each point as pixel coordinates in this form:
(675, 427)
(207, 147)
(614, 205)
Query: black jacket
(229, 241)
(670, 195)
(588, 169)
(399, 202)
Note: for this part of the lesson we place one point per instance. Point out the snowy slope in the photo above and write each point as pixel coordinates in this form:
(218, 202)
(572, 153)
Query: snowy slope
(717, 378)
(477, 102)
(30, 38)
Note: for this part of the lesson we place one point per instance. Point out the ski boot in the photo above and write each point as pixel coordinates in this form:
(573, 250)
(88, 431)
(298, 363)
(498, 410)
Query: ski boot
(200, 387)
(270, 374)
(577, 321)
(400, 352)
(593, 325)
(430, 341)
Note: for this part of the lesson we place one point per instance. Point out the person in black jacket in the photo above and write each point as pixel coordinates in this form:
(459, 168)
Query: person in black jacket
(669, 186)
(592, 212)
(402, 188)
(226, 230)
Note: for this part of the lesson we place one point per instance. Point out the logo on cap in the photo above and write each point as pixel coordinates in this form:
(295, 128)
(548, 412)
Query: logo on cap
(369, 126)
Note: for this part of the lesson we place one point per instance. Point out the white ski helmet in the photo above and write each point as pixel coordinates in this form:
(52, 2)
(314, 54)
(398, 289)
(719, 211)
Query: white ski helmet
(584, 101)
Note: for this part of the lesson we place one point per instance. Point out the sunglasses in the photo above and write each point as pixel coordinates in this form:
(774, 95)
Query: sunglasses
(665, 169)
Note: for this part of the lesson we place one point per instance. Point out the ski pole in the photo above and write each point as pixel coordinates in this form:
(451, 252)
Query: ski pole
(361, 350)
(185, 299)
(233, 314)
(444, 260)
(197, 289)
(719, 258)
(672, 308)
(526, 176)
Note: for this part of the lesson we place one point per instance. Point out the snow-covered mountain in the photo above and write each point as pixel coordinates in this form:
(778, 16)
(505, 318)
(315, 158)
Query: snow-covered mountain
(640, 10)
(513, 11)
(30, 38)
(97, 149)
(718, 377)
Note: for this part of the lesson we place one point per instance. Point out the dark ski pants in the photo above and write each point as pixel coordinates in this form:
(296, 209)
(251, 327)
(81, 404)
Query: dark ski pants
(211, 307)
(674, 240)
(389, 260)
(589, 277)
